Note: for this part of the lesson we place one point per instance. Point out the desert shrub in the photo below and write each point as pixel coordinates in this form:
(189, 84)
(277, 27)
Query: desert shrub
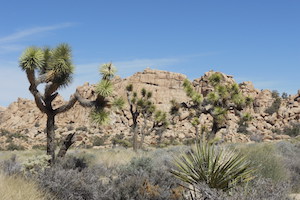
(11, 166)
(290, 153)
(74, 162)
(119, 139)
(39, 147)
(275, 105)
(35, 164)
(260, 188)
(99, 141)
(292, 131)
(284, 95)
(267, 161)
(143, 179)
(69, 184)
(12, 146)
(189, 141)
(218, 168)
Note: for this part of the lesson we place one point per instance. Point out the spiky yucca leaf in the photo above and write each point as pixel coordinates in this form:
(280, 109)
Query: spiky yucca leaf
(238, 99)
(213, 97)
(104, 88)
(218, 168)
(32, 58)
(215, 78)
(100, 117)
(118, 103)
(143, 92)
(108, 71)
(129, 88)
(195, 121)
(197, 98)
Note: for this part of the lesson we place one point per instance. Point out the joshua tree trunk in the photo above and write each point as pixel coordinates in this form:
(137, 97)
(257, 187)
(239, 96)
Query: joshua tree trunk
(51, 137)
(135, 134)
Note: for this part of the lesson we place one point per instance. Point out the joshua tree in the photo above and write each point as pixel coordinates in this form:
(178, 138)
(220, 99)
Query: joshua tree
(142, 108)
(217, 103)
(54, 68)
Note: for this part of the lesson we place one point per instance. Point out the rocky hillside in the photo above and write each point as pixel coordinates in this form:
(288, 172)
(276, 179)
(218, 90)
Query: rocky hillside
(23, 124)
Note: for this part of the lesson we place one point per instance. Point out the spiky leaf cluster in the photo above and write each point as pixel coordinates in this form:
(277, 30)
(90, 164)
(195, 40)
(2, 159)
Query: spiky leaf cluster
(100, 116)
(160, 118)
(105, 89)
(217, 103)
(55, 64)
(218, 168)
(32, 58)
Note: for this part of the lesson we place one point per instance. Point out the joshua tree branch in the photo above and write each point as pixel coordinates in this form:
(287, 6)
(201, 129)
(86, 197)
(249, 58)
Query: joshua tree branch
(84, 102)
(68, 141)
(34, 91)
(67, 106)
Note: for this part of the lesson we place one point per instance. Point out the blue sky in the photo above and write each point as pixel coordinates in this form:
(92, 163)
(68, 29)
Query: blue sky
(257, 40)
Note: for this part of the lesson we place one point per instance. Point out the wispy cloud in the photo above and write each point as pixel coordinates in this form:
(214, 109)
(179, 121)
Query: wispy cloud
(32, 31)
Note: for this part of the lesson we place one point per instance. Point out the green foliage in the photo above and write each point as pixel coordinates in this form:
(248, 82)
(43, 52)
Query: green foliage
(104, 88)
(99, 141)
(243, 123)
(218, 168)
(100, 116)
(216, 78)
(274, 107)
(32, 58)
(55, 63)
(39, 147)
(107, 71)
(217, 103)
(36, 163)
(118, 103)
(293, 130)
(267, 161)
(129, 88)
(12, 147)
(284, 95)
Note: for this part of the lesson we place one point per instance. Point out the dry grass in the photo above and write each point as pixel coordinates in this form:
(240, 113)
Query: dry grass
(16, 188)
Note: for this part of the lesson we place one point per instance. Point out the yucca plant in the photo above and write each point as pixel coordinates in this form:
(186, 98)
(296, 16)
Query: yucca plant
(219, 168)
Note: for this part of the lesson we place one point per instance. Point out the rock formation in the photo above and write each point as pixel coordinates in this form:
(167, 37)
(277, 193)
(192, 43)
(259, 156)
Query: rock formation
(24, 117)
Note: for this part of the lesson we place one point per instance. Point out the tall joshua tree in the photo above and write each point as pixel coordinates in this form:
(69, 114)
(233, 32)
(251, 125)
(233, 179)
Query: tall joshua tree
(217, 103)
(54, 68)
(145, 117)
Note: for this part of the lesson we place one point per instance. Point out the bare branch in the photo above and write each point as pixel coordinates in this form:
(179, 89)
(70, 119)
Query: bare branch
(67, 106)
(68, 141)
(34, 91)
(84, 102)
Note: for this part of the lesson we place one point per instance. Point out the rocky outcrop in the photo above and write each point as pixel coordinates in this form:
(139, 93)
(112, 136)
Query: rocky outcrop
(24, 117)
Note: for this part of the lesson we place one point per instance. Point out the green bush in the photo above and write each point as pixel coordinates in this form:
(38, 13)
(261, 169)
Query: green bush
(275, 105)
(268, 162)
(12, 146)
(218, 168)
(39, 147)
(99, 141)
(119, 139)
(292, 131)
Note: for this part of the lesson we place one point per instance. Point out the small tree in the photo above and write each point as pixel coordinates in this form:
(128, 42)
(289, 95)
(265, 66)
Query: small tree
(217, 103)
(54, 68)
(276, 103)
(145, 118)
